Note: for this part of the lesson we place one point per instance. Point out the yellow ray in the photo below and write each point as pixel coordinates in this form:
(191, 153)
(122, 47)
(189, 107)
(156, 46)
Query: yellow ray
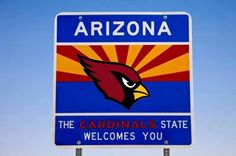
(111, 52)
(133, 53)
(157, 50)
(178, 64)
(87, 51)
(67, 65)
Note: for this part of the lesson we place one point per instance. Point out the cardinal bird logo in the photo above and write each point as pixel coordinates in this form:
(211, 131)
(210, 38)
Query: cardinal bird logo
(117, 82)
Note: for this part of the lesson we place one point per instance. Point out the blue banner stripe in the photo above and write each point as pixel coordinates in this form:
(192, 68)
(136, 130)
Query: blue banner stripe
(123, 28)
(123, 130)
(84, 97)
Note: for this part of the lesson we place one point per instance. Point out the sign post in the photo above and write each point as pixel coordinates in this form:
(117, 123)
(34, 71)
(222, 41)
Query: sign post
(123, 79)
(78, 152)
(166, 152)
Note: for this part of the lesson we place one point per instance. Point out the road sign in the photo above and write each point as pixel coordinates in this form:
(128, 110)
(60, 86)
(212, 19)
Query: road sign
(123, 79)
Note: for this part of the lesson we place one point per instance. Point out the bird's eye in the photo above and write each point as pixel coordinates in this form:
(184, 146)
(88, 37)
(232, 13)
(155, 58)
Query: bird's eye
(128, 84)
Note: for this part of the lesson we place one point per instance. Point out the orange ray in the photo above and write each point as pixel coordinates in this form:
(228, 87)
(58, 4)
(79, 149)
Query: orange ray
(111, 52)
(157, 50)
(178, 64)
(177, 77)
(88, 51)
(100, 51)
(67, 65)
(133, 53)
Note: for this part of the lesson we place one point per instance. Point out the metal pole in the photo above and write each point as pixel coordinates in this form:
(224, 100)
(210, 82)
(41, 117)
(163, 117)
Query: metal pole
(78, 152)
(166, 152)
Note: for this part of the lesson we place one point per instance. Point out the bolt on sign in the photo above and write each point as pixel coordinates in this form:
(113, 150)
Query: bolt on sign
(123, 79)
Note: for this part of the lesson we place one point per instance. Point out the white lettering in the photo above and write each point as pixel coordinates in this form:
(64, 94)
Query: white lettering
(153, 135)
(174, 124)
(135, 24)
(109, 136)
(116, 28)
(66, 124)
(87, 136)
(149, 28)
(96, 26)
(164, 29)
(107, 28)
(145, 135)
(116, 31)
(81, 29)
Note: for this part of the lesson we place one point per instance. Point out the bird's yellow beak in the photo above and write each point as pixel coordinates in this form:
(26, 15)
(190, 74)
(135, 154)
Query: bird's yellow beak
(140, 91)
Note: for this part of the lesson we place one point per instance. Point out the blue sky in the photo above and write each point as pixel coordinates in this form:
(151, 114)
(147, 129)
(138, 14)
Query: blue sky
(26, 67)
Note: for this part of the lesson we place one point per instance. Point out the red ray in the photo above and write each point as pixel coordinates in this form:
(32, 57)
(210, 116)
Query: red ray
(67, 77)
(70, 52)
(122, 52)
(101, 53)
(169, 54)
(143, 52)
(180, 76)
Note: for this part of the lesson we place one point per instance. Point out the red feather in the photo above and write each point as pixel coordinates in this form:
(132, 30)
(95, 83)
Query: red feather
(102, 74)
